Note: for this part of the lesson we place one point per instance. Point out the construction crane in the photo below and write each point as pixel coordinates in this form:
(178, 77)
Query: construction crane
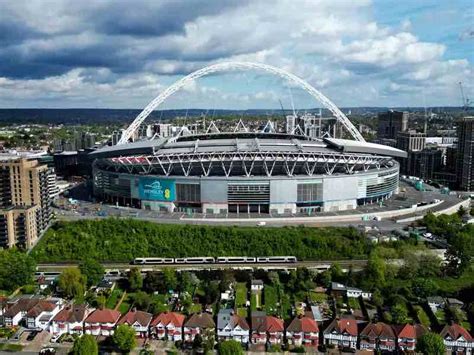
(465, 100)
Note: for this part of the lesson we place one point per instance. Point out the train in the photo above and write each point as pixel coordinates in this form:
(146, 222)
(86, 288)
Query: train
(218, 260)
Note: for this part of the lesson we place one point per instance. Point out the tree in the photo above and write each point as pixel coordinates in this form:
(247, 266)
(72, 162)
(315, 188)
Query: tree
(230, 347)
(375, 270)
(124, 338)
(337, 274)
(92, 270)
(460, 251)
(135, 279)
(72, 282)
(431, 344)
(169, 278)
(424, 287)
(85, 345)
(399, 314)
(377, 298)
(16, 269)
(142, 300)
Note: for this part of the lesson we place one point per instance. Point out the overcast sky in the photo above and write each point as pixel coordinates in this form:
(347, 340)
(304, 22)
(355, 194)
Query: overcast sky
(121, 54)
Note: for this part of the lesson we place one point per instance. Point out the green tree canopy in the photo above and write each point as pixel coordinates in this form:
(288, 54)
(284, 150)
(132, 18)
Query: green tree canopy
(431, 344)
(230, 347)
(135, 279)
(85, 345)
(93, 270)
(16, 269)
(72, 282)
(124, 338)
(399, 314)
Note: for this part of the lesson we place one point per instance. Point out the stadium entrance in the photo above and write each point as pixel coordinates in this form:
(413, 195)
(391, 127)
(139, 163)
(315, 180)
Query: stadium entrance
(248, 198)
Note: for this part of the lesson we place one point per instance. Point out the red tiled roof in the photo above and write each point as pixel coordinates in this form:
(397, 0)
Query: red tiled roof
(455, 331)
(274, 324)
(341, 326)
(176, 319)
(378, 329)
(142, 318)
(41, 306)
(103, 316)
(303, 324)
(410, 331)
(237, 320)
(73, 314)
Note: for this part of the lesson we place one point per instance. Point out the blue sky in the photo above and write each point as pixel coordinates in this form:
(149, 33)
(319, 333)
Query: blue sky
(121, 54)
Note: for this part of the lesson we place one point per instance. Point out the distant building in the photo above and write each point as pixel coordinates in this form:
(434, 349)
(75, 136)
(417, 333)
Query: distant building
(25, 201)
(390, 123)
(424, 163)
(411, 141)
(465, 153)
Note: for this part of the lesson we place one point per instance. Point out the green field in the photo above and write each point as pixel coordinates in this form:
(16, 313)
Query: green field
(121, 240)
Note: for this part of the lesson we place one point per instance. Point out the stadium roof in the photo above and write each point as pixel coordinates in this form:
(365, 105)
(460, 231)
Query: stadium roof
(248, 142)
(351, 146)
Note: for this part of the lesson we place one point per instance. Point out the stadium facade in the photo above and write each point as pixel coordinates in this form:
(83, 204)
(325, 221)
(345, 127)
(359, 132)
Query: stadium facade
(243, 172)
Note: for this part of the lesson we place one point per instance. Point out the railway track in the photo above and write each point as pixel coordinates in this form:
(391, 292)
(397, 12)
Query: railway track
(319, 265)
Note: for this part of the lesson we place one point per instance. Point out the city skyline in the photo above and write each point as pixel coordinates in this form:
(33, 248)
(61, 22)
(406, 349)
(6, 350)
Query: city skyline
(113, 55)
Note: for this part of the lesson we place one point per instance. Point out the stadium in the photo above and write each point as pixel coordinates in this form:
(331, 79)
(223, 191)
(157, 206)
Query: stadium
(242, 172)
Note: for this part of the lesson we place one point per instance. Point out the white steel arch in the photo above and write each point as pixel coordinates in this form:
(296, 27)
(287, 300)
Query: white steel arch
(225, 66)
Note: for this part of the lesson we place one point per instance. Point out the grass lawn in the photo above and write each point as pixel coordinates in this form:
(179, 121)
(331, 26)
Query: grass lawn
(125, 305)
(11, 347)
(317, 297)
(253, 302)
(441, 316)
(270, 297)
(422, 316)
(195, 308)
(114, 298)
(240, 294)
(285, 307)
(354, 303)
(242, 311)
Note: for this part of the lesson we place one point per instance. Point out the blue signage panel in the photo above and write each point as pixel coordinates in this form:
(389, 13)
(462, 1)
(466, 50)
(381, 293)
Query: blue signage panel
(156, 189)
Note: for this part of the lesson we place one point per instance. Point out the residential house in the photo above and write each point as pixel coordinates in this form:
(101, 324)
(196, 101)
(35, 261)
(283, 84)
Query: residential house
(232, 326)
(70, 320)
(168, 325)
(342, 333)
(407, 335)
(256, 285)
(199, 323)
(34, 312)
(378, 337)
(435, 303)
(138, 320)
(101, 322)
(266, 329)
(303, 330)
(351, 292)
(457, 339)
(454, 302)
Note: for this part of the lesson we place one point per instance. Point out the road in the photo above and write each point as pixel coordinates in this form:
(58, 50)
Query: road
(345, 264)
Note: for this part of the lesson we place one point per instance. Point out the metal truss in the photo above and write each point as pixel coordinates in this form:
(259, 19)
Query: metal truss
(246, 163)
(225, 66)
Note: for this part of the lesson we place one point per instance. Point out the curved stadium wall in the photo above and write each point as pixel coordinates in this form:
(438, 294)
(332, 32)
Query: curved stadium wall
(232, 173)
